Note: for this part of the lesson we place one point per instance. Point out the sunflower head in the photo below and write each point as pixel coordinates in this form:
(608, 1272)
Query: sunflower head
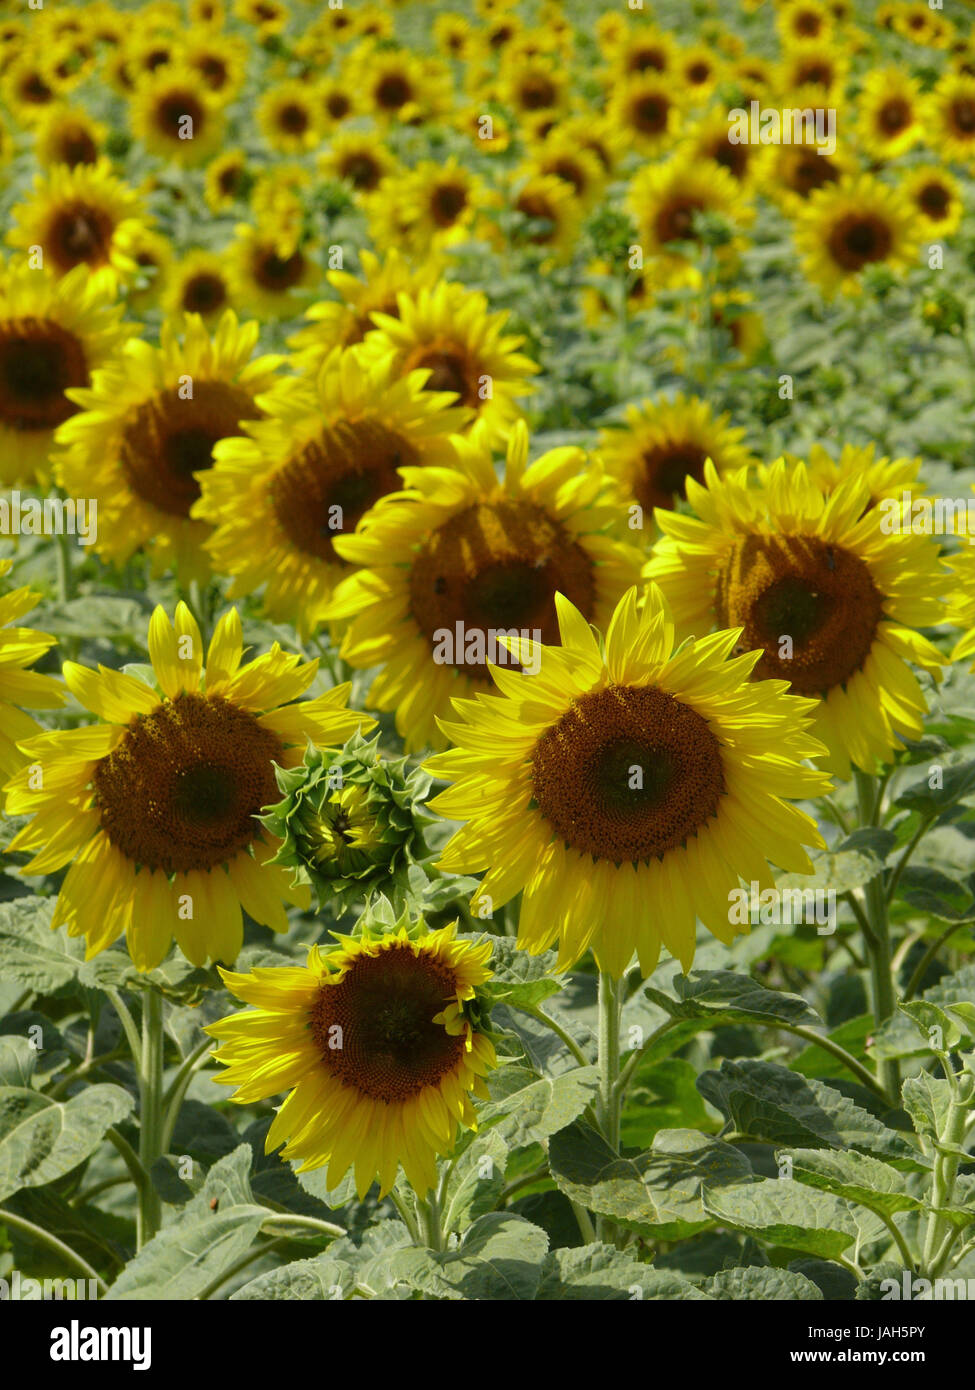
(349, 822)
(377, 1040)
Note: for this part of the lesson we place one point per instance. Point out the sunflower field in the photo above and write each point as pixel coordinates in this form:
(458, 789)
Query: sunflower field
(487, 651)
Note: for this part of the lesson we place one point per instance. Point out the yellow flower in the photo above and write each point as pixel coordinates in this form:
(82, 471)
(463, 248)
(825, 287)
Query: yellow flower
(936, 197)
(176, 116)
(891, 115)
(371, 1042)
(148, 425)
(626, 788)
(950, 117)
(826, 591)
(848, 226)
(665, 199)
(460, 555)
(156, 806)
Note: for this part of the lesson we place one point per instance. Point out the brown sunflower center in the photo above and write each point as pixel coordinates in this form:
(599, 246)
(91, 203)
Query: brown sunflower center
(734, 158)
(536, 93)
(393, 92)
(537, 208)
(815, 74)
(498, 565)
(294, 118)
(214, 70)
(230, 179)
(361, 170)
(647, 59)
(649, 114)
(963, 115)
(663, 472)
(627, 772)
(173, 108)
(278, 273)
(167, 439)
(675, 220)
(80, 232)
(810, 171)
(858, 239)
(375, 1028)
(449, 370)
(447, 203)
(934, 199)
(698, 72)
(894, 115)
(338, 105)
(76, 146)
(181, 790)
(821, 598)
(39, 360)
(204, 293)
(332, 481)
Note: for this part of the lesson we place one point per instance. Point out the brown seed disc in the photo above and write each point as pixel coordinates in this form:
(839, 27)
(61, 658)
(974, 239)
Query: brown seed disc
(204, 294)
(39, 361)
(181, 790)
(498, 565)
(349, 466)
(627, 773)
(858, 239)
(277, 273)
(663, 470)
(79, 232)
(450, 370)
(166, 440)
(820, 596)
(374, 1028)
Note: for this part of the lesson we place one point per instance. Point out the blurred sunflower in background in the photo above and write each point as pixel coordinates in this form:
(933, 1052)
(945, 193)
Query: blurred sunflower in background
(20, 689)
(848, 226)
(155, 807)
(147, 426)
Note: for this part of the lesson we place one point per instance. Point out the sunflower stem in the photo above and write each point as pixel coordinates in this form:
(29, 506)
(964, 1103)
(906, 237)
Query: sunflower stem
(877, 942)
(150, 1113)
(20, 1223)
(428, 1210)
(65, 577)
(608, 1108)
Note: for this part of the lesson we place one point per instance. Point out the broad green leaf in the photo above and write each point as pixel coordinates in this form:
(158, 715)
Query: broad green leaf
(658, 1192)
(958, 780)
(601, 1272)
(779, 1212)
(852, 1036)
(839, 870)
(499, 1259)
(322, 1279)
(476, 1181)
(30, 952)
(899, 1037)
(42, 1139)
(207, 1238)
(936, 1028)
(927, 1099)
(761, 1284)
(719, 996)
(534, 1111)
(938, 894)
(17, 1062)
(856, 1176)
(770, 1103)
(662, 1095)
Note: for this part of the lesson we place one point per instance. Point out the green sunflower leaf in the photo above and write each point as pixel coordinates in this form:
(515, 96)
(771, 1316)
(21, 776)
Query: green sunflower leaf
(528, 1113)
(761, 1283)
(322, 1279)
(39, 959)
(500, 1258)
(601, 1272)
(720, 996)
(789, 1214)
(856, 1176)
(42, 1139)
(900, 1036)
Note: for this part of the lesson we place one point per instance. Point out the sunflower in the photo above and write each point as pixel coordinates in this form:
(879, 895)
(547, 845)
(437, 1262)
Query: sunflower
(461, 555)
(328, 448)
(534, 85)
(359, 159)
(269, 273)
(176, 118)
(936, 197)
(709, 138)
(560, 156)
(665, 201)
(157, 805)
(962, 609)
(813, 63)
(346, 321)
(884, 477)
(68, 135)
(450, 331)
(453, 35)
(152, 254)
(29, 88)
(268, 16)
(20, 647)
(228, 180)
(379, 1044)
(394, 83)
(441, 201)
(147, 428)
(550, 215)
(81, 216)
(198, 284)
(220, 61)
(801, 20)
(596, 135)
(848, 226)
(797, 171)
(648, 50)
(699, 69)
(647, 112)
(289, 117)
(818, 583)
(950, 117)
(337, 100)
(53, 335)
(626, 789)
(662, 444)
(891, 114)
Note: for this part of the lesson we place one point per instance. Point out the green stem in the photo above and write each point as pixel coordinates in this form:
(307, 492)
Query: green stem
(929, 955)
(428, 1210)
(128, 1026)
(870, 795)
(406, 1216)
(609, 1098)
(249, 1258)
(173, 1099)
(289, 1219)
(557, 1029)
(130, 1158)
(149, 1214)
(936, 1246)
(7, 1218)
(909, 849)
(65, 577)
